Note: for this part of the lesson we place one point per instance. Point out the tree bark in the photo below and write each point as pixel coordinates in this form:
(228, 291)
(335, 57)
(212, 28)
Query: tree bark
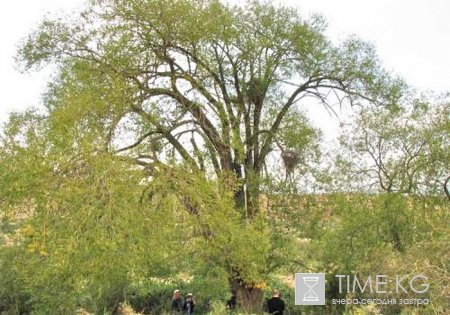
(253, 181)
(249, 298)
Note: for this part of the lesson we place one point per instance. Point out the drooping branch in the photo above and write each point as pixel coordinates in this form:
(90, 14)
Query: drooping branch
(166, 132)
(138, 141)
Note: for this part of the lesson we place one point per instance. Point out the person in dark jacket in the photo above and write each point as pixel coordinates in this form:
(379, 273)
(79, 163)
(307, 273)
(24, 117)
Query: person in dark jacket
(177, 303)
(189, 304)
(275, 305)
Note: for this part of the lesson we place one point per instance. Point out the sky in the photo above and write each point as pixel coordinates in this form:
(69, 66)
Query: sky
(412, 39)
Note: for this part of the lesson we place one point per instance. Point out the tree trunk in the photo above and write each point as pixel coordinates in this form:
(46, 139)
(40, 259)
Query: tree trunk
(239, 198)
(250, 299)
(253, 180)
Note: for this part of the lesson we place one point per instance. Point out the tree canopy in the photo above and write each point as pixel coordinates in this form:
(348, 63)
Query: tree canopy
(214, 96)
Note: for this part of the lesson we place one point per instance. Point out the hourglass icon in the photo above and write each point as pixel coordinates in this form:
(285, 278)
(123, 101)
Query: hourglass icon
(310, 295)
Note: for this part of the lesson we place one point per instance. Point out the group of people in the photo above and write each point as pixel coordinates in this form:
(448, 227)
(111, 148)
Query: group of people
(179, 307)
(275, 305)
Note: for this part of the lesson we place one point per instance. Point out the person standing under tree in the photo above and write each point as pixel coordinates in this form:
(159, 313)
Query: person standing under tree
(177, 303)
(189, 304)
(275, 305)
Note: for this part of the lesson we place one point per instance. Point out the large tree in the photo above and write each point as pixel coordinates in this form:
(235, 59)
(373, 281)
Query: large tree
(209, 86)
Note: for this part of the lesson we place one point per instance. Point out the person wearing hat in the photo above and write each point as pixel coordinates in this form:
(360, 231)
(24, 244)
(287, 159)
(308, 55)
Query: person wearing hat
(177, 303)
(189, 304)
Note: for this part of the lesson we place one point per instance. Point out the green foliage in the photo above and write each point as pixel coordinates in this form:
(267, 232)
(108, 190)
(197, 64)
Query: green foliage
(87, 228)
(400, 150)
(145, 171)
(381, 234)
(167, 65)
